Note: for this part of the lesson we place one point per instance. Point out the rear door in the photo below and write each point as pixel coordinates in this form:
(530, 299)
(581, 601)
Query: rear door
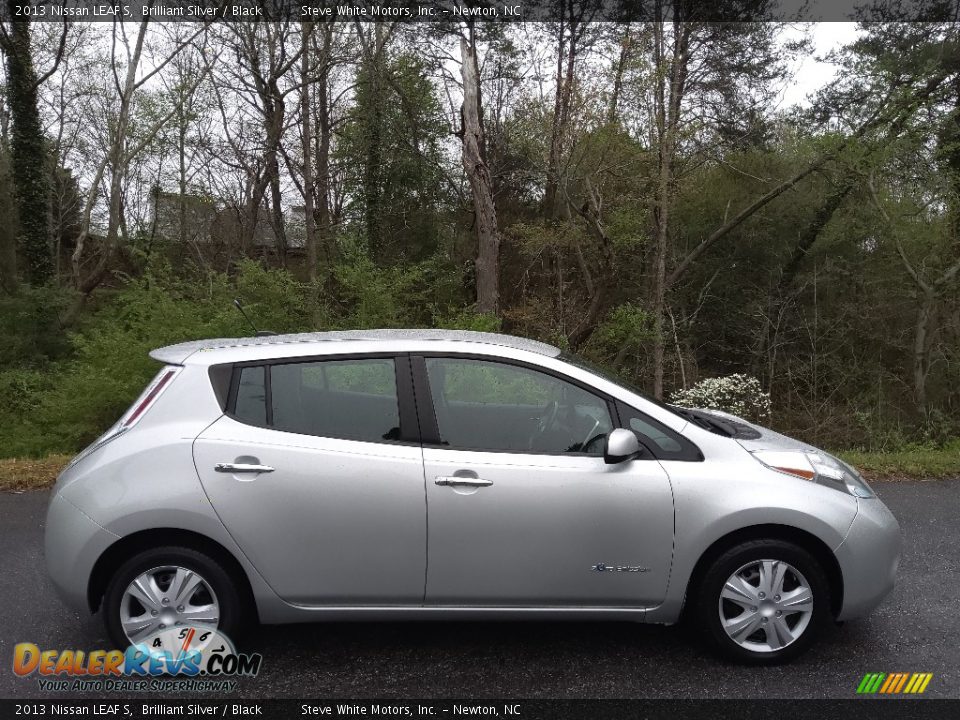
(316, 471)
(522, 508)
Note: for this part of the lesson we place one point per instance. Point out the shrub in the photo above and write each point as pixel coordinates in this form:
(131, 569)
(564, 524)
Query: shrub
(738, 394)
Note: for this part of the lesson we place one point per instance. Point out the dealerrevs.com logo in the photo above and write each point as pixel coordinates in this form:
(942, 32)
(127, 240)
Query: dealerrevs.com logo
(179, 658)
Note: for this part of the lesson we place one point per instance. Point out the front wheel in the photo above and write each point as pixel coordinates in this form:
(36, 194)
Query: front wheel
(166, 587)
(763, 601)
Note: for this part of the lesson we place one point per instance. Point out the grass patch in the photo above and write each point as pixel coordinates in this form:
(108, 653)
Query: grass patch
(919, 463)
(31, 473)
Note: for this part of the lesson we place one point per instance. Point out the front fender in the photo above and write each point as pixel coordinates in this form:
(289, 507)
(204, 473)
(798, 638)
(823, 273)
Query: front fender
(709, 508)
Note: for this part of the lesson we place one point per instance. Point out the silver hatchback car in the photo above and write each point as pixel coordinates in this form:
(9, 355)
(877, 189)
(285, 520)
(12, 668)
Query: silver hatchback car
(419, 474)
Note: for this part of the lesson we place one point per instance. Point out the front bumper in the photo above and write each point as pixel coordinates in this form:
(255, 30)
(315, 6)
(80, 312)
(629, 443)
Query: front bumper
(868, 558)
(72, 544)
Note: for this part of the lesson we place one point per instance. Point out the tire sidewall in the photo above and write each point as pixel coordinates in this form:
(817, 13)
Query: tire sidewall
(231, 610)
(726, 564)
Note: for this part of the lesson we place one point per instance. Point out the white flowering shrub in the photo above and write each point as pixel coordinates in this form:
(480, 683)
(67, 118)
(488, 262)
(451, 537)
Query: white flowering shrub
(738, 394)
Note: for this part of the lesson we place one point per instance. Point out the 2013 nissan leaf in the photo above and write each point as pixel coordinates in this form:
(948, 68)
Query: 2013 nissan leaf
(418, 474)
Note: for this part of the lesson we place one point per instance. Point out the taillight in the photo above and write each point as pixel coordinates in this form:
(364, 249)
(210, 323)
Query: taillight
(148, 398)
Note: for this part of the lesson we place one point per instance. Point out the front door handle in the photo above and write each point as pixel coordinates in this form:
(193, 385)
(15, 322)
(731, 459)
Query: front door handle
(470, 481)
(241, 468)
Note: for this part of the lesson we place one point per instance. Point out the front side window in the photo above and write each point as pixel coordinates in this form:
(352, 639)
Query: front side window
(664, 443)
(350, 399)
(486, 405)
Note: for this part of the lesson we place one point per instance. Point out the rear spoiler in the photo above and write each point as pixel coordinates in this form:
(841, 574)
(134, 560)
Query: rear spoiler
(178, 354)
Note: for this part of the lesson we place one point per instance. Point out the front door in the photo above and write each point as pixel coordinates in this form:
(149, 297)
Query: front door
(317, 479)
(522, 509)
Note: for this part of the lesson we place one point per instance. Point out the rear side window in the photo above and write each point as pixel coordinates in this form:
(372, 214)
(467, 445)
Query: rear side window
(664, 443)
(349, 399)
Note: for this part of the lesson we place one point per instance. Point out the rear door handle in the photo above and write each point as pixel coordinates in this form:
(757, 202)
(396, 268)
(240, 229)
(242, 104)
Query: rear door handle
(470, 481)
(241, 468)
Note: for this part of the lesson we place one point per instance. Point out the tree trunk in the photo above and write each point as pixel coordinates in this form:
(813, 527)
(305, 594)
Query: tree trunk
(309, 236)
(29, 161)
(567, 47)
(921, 356)
(116, 160)
(669, 95)
(372, 176)
(626, 45)
(322, 141)
(481, 186)
(182, 177)
(276, 206)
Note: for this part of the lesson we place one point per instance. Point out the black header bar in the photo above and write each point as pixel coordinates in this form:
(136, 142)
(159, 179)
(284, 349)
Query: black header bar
(503, 709)
(461, 11)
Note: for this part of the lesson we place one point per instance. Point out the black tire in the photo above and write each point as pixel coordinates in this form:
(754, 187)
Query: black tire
(706, 599)
(228, 595)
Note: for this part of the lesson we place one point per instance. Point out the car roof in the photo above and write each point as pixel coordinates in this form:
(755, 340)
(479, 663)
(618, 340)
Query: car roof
(392, 340)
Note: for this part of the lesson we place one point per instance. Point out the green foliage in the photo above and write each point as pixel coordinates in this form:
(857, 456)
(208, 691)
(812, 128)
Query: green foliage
(818, 293)
(29, 155)
(622, 341)
(391, 146)
(468, 320)
(9, 227)
(85, 381)
(628, 325)
(30, 326)
(69, 402)
(373, 296)
(910, 461)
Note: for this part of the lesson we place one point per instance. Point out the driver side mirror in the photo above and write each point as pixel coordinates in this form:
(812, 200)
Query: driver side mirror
(621, 445)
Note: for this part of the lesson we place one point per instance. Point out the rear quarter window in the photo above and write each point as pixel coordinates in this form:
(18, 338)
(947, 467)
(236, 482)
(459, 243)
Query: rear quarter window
(251, 403)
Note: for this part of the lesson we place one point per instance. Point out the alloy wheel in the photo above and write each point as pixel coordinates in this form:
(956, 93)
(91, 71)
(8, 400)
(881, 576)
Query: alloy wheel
(765, 605)
(165, 597)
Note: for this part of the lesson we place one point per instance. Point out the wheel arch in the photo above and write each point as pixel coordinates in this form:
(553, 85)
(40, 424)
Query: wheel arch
(808, 541)
(129, 545)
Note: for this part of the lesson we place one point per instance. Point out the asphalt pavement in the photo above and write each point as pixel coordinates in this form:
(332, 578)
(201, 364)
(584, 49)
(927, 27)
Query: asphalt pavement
(915, 630)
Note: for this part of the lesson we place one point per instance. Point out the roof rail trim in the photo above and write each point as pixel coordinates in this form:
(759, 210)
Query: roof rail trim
(178, 354)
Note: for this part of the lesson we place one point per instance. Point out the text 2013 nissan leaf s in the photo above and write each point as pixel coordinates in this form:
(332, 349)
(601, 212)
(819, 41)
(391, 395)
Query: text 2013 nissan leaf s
(443, 474)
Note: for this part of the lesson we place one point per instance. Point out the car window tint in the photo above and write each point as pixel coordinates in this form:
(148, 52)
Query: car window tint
(486, 405)
(655, 435)
(251, 405)
(663, 442)
(350, 399)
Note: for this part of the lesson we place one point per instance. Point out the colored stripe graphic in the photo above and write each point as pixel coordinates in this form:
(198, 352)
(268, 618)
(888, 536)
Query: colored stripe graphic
(894, 683)
(903, 680)
(891, 682)
(870, 683)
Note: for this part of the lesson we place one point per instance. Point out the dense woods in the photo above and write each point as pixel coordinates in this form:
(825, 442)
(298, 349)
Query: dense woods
(633, 192)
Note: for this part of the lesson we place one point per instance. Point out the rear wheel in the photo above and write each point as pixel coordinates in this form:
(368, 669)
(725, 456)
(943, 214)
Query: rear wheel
(167, 587)
(763, 601)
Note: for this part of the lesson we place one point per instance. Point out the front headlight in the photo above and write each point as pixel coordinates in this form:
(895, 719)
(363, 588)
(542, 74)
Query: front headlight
(818, 467)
